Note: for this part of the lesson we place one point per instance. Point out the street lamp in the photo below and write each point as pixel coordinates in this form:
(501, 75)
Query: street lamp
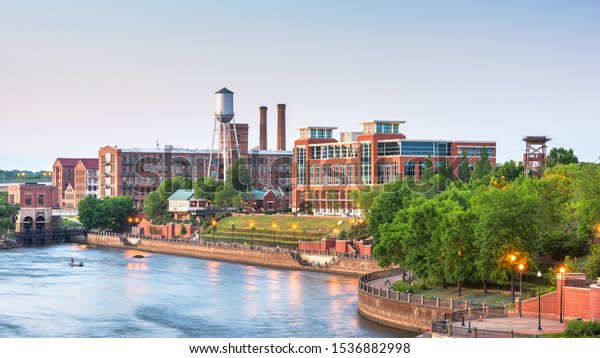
(294, 226)
(274, 228)
(252, 233)
(232, 230)
(214, 225)
(521, 267)
(539, 276)
(335, 233)
(512, 277)
(562, 283)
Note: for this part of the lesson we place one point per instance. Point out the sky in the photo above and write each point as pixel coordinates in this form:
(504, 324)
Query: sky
(78, 75)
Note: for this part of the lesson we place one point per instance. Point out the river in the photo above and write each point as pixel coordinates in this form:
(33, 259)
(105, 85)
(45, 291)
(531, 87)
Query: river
(115, 295)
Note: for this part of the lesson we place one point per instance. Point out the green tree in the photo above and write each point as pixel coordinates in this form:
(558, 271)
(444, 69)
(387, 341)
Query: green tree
(183, 231)
(483, 167)
(8, 214)
(506, 224)
(464, 173)
(592, 265)
(385, 207)
(105, 214)
(509, 170)
(428, 170)
(207, 188)
(561, 156)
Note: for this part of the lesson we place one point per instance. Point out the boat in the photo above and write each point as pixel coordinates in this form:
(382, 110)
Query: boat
(138, 256)
(72, 264)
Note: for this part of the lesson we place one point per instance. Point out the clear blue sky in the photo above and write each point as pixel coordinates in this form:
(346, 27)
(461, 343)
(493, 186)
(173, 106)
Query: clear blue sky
(79, 75)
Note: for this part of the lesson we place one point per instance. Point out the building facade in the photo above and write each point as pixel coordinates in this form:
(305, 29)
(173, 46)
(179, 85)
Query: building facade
(69, 176)
(138, 172)
(325, 170)
(86, 179)
(39, 206)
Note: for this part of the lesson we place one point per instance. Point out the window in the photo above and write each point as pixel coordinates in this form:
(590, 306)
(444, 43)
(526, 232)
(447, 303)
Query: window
(365, 162)
(301, 160)
(28, 199)
(40, 199)
(470, 152)
(417, 148)
(409, 169)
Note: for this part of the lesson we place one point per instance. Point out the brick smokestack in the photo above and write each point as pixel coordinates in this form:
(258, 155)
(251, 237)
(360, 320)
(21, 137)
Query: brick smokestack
(262, 144)
(281, 127)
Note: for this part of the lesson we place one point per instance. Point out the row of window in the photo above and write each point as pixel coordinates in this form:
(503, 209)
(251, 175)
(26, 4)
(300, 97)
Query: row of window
(475, 151)
(333, 174)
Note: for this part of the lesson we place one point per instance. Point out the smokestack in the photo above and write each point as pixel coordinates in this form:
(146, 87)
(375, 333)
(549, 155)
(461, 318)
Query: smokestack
(262, 144)
(281, 127)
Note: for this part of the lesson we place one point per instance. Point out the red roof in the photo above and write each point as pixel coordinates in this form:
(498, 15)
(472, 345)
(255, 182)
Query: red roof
(90, 163)
(68, 162)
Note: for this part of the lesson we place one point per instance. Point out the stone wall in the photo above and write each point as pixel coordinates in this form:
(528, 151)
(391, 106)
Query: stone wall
(403, 315)
(255, 257)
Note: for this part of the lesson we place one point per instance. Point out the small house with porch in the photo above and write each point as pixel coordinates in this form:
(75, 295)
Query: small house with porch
(184, 206)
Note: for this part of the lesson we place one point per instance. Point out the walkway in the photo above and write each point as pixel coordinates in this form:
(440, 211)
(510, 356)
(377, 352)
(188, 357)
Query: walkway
(525, 325)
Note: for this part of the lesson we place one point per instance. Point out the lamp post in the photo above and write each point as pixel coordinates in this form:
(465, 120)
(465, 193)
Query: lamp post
(274, 228)
(539, 276)
(335, 234)
(214, 225)
(521, 267)
(512, 277)
(562, 283)
(232, 231)
(252, 233)
(294, 226)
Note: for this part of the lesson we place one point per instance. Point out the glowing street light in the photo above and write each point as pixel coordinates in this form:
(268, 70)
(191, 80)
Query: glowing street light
(274, 226)
(335, 233)
(294, 227)
(562, 284)
(252, 228)
(213, 222)
(521, 267)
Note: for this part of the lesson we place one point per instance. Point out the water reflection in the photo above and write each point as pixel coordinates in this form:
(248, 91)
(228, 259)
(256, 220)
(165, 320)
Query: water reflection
(115, 295)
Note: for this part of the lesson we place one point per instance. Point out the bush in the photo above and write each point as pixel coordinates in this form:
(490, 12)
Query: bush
(582, 329)
(402, 286)
(222, 214)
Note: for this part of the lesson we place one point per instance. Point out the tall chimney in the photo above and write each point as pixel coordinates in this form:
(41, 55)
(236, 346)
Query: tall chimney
(281, 127)
(262, 144)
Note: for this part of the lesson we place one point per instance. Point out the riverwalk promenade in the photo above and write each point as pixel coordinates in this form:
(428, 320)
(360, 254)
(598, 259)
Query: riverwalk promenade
(526, 325)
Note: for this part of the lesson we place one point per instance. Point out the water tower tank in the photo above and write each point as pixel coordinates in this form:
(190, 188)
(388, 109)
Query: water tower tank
(224, 112)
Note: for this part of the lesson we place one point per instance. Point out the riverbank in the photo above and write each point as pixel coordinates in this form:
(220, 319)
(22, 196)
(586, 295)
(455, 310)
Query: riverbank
(269, 257)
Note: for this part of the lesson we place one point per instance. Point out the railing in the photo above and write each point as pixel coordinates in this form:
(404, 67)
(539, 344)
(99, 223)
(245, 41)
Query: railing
(468, 311)
(449, 330)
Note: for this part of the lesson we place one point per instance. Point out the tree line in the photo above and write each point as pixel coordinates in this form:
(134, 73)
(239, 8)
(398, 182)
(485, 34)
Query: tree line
(469, 231)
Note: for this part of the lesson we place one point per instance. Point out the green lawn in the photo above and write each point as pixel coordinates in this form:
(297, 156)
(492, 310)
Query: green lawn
(307, 227)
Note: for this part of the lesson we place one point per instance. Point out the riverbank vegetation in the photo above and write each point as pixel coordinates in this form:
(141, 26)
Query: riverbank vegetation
(480, 231)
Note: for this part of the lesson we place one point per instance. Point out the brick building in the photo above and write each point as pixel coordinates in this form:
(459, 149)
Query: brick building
(138, 172)
(39, 206)
(325, 170)
(73, 177)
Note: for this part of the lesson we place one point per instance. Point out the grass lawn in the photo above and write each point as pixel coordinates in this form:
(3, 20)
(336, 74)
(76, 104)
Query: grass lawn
(284, 224)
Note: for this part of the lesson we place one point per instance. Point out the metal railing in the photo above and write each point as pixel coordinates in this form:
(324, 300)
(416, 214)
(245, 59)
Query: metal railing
(449, 330)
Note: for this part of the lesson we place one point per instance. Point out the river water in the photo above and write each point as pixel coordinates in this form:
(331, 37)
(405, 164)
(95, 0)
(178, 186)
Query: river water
(115, 295)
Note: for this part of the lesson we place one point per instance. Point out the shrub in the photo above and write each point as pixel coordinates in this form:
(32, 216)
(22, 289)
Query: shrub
(582, 329)
(402, 286)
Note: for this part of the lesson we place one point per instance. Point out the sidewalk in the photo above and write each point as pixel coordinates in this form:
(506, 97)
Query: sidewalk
(525, 325)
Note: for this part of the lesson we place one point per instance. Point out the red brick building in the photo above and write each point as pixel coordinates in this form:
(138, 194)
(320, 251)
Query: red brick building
(325, 170)
(73, 177)
(39, 206)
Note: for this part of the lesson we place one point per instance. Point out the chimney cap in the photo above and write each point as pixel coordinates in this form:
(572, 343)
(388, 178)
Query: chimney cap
(262, 107)
(281, 105)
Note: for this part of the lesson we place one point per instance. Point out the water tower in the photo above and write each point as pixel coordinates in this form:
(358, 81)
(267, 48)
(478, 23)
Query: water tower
(225, 130)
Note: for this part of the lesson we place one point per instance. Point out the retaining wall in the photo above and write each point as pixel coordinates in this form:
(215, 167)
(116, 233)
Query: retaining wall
(255, 257)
